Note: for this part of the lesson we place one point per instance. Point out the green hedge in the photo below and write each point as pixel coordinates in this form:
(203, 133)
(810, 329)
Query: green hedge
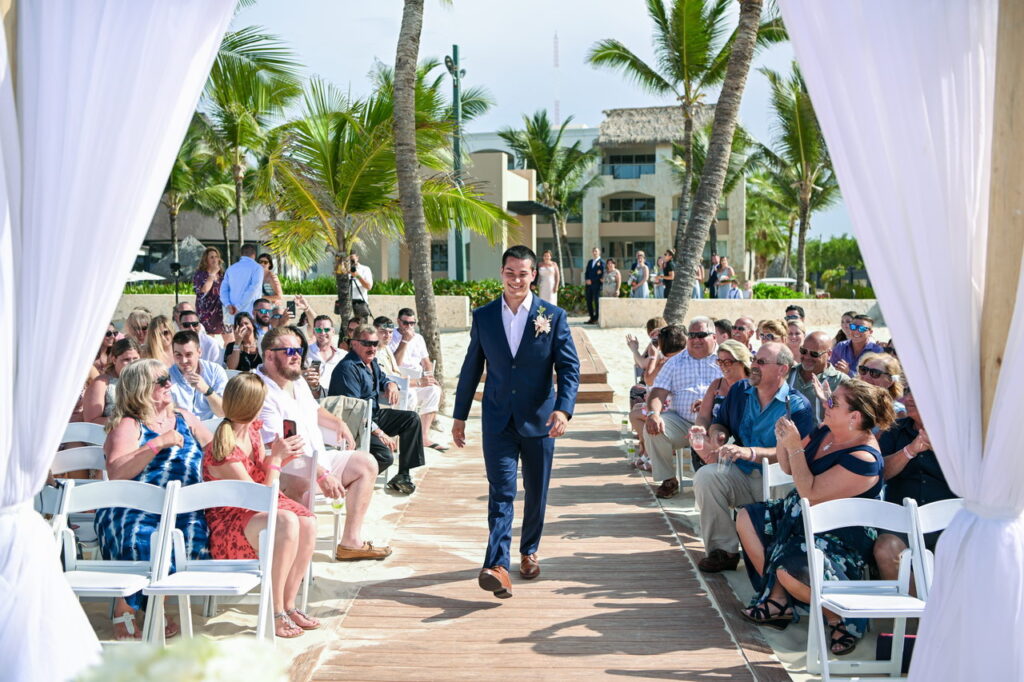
(775, 291)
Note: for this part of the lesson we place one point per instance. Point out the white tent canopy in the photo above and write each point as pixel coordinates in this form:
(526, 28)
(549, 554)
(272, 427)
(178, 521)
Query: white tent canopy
(905, 94)
(105, 91)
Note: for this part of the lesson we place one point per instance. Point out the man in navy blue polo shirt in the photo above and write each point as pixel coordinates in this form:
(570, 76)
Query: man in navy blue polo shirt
(748, 416)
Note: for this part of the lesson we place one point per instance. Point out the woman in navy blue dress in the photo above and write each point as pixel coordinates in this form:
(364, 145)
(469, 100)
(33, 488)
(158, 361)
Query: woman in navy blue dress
(840, 459)
(151, 442)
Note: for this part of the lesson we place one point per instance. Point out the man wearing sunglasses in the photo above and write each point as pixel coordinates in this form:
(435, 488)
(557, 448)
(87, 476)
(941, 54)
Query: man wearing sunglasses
(359, 375)
(846, 354)
(813, 364)
(188, 321)
(685, 378)
(743, 330)
(747, 415)
(410, 352)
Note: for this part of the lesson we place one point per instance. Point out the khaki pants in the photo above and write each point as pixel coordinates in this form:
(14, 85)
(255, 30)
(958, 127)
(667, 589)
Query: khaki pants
(662, 447)
(717, 493)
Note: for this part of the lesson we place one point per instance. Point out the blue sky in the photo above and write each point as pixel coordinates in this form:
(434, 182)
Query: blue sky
(508, 48)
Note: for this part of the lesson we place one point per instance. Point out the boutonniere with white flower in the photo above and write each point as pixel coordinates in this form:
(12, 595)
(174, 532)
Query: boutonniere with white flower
(541, 323)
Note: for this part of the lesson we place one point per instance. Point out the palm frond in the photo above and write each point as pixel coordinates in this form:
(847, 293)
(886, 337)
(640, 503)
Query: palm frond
(614, 55)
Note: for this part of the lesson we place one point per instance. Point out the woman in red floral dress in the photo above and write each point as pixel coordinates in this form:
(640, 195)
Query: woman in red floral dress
(237, 453)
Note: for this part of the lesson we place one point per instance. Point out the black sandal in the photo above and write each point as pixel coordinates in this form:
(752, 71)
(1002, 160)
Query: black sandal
(846, 641)
(762, 615)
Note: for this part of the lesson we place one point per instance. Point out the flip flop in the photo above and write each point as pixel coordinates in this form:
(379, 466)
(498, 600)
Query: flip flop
(126, 619)
(439, 447)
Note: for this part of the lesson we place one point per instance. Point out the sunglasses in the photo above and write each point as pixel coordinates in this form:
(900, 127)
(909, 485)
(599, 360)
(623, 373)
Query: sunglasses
(276, 317)
(740, 328)
(859, 328)
(407, 323)
(165, 333)
(767, 337)
(163, 381)
(875, 373)
(323, 330)
(792, 317)
(762, 362)
(190, 325)
(368, 344)
(813, 353)
(386, 328)
(725, 363)
(263, 262)
(108, 334)
(288, 350)
(141, 329)
(698, 335)
(262, 311)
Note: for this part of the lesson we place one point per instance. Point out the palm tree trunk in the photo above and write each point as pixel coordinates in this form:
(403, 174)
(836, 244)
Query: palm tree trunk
(342, 276)
(407, 168)
(239, 176)
(684, 196)
(801, 242)
(227, 242)
(705, 202)
(559, 251)
(789, 245)
(172, 215)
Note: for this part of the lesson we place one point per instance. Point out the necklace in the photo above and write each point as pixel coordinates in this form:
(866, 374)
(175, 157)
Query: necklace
(833, 443)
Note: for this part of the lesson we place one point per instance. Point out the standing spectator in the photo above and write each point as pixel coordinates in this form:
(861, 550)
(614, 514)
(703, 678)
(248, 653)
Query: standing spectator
(713, 277)
(98, 401)
(361, 278)
(137, 325)
(188, 320)
(241, 285)
(158, 341)
(668, 272)
(612, 280)
(685, 379)
(743, 330)
(725, 274)
(796, 333)
(847, 354)
(410, 351)
(196, 384)
(748, 290)
(243, 354)
(734, 289)
(549, 279)
(659, 288)
(813, 371)
(723, 331)
(698, 281)
(271, 288)
(206, 283)
(638, 278)
(593, 278)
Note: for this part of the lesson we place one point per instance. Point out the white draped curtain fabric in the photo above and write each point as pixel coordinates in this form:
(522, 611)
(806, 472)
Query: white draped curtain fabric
(105, 90)
(904, 92)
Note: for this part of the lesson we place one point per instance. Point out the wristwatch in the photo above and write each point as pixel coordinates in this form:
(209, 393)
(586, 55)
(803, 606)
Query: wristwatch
(209, 392)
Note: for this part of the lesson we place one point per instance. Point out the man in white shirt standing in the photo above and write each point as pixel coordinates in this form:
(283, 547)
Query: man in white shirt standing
(343, 473)
(410, 351)
(361, 278)
(242, 284)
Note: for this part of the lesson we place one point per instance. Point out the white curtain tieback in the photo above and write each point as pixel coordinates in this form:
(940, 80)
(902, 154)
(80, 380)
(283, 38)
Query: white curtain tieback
(16, 508)
(991, 511)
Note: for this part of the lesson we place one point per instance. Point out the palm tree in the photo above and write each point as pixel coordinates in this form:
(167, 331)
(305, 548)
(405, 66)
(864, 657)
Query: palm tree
(768, 217)
(798, 161)
(339, 183)
(192, 183)
(692, 48)
(560, 171)
(253, 78)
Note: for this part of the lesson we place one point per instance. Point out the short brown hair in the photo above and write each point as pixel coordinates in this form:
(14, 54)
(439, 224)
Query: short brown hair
(656, 323)
(873, 403)
(672, 338)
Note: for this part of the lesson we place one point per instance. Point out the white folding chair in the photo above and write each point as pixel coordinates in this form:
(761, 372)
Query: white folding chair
(116, 578)
(217, 577)
(84, 432)
(212, 423)
(772, 476)
(856, 598)
(928, 519)
(48, 500)
(405, 397)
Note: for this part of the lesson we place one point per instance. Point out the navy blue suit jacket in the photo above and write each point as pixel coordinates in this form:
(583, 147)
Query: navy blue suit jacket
(595, 271)
(519, 388)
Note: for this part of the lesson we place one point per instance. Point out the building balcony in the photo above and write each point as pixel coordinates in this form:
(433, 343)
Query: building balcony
(627, 171)
(642, 216)
(723, 214)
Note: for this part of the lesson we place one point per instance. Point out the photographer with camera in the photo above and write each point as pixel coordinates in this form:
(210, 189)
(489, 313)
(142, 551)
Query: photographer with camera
(361, 278)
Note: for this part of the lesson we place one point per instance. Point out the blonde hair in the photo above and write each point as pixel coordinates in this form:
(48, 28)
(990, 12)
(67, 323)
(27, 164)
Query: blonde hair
(243, 400)
(796, 323)
(155, 340)
(133, 396)
(892, 366)
(206, 254)
(137, 319)
(772, 327)
(738, 351)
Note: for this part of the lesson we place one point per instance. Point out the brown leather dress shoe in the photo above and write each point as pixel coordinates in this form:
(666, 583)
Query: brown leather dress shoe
(668, 488)
(496, 580)
(529, 567)
(719, 560)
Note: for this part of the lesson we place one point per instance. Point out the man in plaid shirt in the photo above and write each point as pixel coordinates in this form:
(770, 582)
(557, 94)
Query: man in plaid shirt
(685, 378)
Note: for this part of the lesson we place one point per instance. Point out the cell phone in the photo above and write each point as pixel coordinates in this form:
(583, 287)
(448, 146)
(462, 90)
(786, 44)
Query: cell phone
(789, 409)
(291, 308)
(289, 428)
(315, 365)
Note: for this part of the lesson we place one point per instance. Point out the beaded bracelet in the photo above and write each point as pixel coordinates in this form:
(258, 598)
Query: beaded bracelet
(274, 467)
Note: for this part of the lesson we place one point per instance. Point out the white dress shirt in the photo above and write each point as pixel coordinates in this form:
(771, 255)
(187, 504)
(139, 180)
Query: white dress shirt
(210, 350)
(415, 351)
(515, 323)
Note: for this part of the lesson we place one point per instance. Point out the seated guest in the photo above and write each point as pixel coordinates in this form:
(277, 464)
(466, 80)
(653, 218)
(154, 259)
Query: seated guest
(359, 376)
(262, 315)
(813, 368)
(410, 350)
(345, 472)
(883, 370)
(911, 470)
(769, 331)
(794, 312)
(723, 330)
(424, 392)
(350, 328)
(844, 327)
(237, 453)
(136, 325)
(796, 332)
(151, 442)
(158, 341)
(734, 361)
(196, 384)
(645, 361)
(98, 401)
(685, 378)
(103, 355)
(748, 415)
(243, 354)
(671, 341)
(188, 321)
(323, 354)
(846, 354)
(743, 330)
(840, 460)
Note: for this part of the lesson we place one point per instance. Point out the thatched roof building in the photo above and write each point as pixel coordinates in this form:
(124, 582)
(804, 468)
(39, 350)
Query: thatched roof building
(648, 125)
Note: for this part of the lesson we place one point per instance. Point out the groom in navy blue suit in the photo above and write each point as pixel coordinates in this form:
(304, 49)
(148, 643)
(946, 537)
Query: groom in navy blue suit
(522, 339)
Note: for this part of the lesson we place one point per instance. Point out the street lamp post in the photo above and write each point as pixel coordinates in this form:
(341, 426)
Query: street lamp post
(452, 64)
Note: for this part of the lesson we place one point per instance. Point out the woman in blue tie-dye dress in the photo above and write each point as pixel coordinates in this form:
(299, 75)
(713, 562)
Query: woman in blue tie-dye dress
(151, 442)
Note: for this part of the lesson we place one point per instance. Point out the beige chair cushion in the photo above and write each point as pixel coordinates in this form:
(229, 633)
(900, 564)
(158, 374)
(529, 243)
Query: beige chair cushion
(351, 410)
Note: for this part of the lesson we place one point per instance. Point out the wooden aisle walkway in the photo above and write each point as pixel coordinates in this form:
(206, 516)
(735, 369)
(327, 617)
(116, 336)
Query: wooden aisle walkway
(617, 596)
